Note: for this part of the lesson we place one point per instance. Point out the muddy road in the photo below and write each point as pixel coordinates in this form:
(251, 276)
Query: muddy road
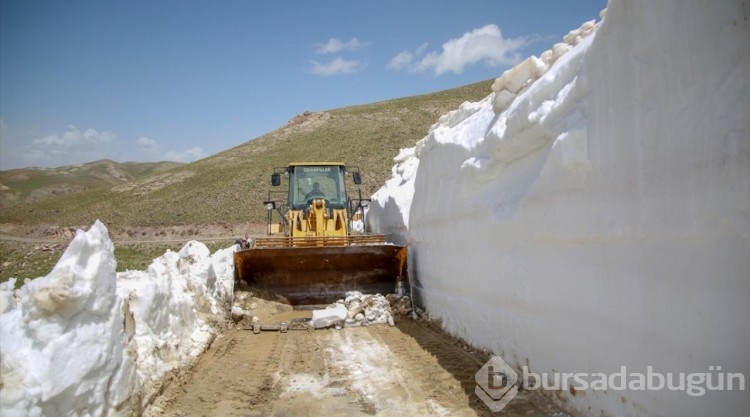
(412, 369)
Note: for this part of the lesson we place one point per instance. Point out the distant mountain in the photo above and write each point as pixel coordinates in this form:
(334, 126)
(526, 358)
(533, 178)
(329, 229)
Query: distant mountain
(36, 184)
(228, 187)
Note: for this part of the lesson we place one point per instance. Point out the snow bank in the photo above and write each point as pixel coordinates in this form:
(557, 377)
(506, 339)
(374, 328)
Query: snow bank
(85, 340)
(176, 307)
(389, 211)
(593, 212)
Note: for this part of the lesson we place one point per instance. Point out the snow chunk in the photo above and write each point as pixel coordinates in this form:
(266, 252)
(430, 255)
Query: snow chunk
(328, 316)
(357, 309)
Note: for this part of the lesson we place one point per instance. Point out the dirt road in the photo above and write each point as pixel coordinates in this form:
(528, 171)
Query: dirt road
(407, 370)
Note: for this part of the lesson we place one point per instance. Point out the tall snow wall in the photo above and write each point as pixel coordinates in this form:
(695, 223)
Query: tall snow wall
(593, 212)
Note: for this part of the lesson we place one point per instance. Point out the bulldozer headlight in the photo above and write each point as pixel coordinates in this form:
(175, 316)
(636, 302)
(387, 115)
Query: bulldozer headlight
(270, 205)
(364, 203)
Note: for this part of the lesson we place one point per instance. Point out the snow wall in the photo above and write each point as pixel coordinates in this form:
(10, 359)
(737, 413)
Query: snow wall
(87, 341)
(593, 211)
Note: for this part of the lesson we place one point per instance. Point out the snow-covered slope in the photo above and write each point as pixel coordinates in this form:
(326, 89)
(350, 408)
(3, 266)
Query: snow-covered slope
(593, 212)
(85, 340)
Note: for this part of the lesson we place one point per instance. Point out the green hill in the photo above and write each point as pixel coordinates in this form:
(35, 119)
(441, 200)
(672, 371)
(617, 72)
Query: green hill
(227, 187)
(31, 185)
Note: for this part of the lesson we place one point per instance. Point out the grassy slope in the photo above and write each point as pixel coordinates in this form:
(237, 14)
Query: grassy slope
(37, 184)
(229, 187)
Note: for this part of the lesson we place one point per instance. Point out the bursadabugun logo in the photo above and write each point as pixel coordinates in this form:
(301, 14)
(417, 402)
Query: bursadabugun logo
(496, 383)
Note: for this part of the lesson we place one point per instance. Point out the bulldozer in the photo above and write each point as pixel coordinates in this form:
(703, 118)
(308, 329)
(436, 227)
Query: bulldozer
(317, 245)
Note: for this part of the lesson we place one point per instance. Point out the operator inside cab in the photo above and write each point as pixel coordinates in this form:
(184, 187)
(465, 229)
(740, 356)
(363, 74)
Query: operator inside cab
(315, 192)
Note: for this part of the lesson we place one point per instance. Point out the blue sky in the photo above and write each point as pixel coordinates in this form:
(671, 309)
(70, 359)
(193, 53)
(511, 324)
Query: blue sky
(175, 80)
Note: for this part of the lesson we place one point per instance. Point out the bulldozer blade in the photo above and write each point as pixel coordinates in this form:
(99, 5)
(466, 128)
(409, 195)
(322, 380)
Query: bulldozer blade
(321, 275)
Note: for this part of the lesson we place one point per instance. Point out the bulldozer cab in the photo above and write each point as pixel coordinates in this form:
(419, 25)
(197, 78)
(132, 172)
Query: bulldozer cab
(323, 183)
(307, 182)
(319, 257)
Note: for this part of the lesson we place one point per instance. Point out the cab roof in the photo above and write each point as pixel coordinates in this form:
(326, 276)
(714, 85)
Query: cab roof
(293, 164)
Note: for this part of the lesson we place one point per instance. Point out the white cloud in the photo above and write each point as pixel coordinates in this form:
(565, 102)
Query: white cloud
(151, 150)
(147, 149)
(401, 61)
(74, 138)
(75, 146)
(188, 155)
(336, 45)
(337, 66)
(146, 143)
(485, 44)
(404, 59)
(70, 147)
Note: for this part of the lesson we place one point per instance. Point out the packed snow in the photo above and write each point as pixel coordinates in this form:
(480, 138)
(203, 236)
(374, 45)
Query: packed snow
(85, 340)
(593, 211)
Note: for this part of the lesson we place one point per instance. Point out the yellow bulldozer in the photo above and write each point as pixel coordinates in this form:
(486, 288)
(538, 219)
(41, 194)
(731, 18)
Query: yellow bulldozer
(318, 246)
